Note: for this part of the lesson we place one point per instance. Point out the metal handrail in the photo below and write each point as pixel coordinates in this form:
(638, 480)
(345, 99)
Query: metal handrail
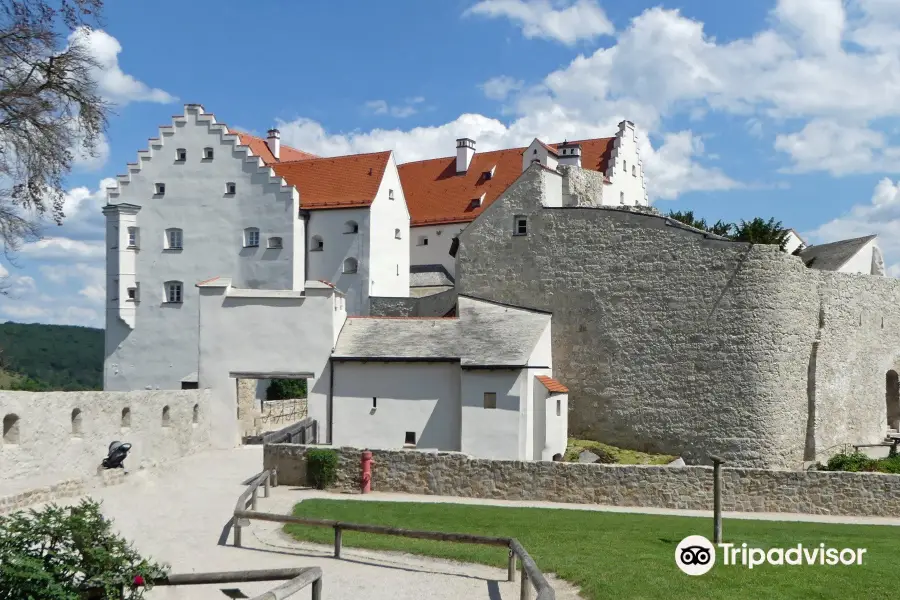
(530, 576)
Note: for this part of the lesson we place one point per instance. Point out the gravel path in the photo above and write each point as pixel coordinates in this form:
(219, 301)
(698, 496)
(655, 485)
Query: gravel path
(180, 515)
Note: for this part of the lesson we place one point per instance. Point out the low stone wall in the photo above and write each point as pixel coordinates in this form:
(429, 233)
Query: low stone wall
(69, 488)
(433, 305)
(689, 487)
(69, 433)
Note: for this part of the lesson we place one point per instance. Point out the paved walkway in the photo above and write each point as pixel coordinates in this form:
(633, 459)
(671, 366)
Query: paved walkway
(181, 515)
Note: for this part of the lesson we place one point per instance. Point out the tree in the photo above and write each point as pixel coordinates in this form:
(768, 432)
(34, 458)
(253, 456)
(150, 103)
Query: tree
(760, 231)
(286, 389)
(687, 217)
(57, 553)
(49, 109)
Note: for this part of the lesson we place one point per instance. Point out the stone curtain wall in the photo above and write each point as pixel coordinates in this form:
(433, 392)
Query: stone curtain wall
(670, 341)
(745, 490)
(257, 416)
(50, 438)
(76, 486)
(434, 305)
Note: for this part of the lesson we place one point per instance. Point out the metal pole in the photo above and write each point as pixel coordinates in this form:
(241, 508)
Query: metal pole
(717, 499)
(511, 569)
(337, 541)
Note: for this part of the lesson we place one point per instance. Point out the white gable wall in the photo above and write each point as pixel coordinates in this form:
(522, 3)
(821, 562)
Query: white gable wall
(161, 349)
(537, 151)
(861, 262)
(625, 171)
(437, 250)
(493, 433)
(328, 264)
(410, 396)
(389, 255)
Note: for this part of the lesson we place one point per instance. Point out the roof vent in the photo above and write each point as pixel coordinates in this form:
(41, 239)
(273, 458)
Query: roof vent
(488, 175)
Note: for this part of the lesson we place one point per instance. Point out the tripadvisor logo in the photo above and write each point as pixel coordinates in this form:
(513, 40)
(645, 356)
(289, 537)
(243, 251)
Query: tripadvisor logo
(696, 555)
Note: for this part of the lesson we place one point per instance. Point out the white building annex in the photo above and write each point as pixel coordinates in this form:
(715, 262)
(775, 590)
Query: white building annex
(203, 199)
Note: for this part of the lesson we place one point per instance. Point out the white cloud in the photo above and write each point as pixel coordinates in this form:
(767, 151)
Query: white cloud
(880, 216)
(672, 170)
(498, 88)
(840, 149)
(407, 109)
(114, 84)
(563, 20)
(60, 248)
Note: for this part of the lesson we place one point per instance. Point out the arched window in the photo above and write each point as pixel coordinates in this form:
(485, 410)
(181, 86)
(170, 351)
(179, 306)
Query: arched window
(316, 244)
(274, 242)
(196, 417)
(11, 429)
(351, 227)
(126, 418)
(173, 292)
(230, 188)
(174, 239)
(251, 237)
(350, 265)
(77, 424)
(166, 417)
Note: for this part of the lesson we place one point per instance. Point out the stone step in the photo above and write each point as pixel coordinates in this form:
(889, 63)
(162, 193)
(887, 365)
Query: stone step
(892, 435)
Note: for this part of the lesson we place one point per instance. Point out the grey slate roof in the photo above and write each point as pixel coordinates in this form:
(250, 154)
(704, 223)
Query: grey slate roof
(831, 257)
(429, 276)
(484, 334)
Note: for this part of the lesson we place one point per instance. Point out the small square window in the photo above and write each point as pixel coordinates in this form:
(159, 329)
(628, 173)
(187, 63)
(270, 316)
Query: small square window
(134, 293)
(160, 189)
(181, 155)
(230, 189)
(521, 226)
(423, 240)
(274, 242)
(208, 153)
(490, 399)
(410, 439)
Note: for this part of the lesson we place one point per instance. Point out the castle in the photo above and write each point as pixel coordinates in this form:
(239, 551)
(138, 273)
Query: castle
(670, 339)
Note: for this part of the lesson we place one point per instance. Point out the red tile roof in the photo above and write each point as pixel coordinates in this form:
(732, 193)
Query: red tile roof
(552, 385)
(340, 182)
(435, 194)
(261, 149)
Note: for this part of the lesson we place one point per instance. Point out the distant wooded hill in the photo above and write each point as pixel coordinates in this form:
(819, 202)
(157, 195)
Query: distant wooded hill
(40, 357)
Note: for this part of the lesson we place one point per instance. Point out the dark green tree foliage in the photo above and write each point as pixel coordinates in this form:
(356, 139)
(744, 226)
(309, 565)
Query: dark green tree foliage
(757, 231)
(286, 389)
(53, 357)
(57, 553)
(687, 217)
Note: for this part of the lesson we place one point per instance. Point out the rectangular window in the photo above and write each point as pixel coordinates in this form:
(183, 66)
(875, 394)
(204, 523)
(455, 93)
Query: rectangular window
(160, 189)
(132, 237)
(390, 194)
(490, 399)
(559, 408)
(410, 438)
(175, 239)
(423, 240)
(174, 292)
(274, 242)
(521, 225)
(374, 402)
(134, 293)
(251, 238)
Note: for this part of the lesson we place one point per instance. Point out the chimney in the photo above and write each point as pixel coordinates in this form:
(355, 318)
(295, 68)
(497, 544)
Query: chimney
(273, 141)
(569, 154)
(465, 150)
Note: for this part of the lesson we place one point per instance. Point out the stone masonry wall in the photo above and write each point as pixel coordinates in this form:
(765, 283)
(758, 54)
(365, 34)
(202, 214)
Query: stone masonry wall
(670, 341)
(434, 305)
(256, 416)
(744, 490)
(63, 435)
(68, 488)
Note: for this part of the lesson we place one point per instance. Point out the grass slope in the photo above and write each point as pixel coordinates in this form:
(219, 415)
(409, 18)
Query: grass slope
(58, 357)
(625, 556)
(619, 456)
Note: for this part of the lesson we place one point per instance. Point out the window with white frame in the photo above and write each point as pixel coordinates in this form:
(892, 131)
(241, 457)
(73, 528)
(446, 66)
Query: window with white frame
(350, 265)
(230, 188)
(174, 292)
(316, 244)
(134, 293)
(274, 242)
(520, 225)
(251, 237)
(207, 154)
(174, 239)
(133, 237)
(160, 189)
(351, 227)
(397, 234)
(181, 155)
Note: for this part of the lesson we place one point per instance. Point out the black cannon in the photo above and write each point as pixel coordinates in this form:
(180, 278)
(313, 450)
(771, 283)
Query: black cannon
(116, 456)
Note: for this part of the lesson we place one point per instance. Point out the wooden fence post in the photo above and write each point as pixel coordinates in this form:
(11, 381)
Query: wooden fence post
(237, 535)
(525, 589)
(717, 499)
(511, 568)
(337, 541)
(253, 499)
(266, 486)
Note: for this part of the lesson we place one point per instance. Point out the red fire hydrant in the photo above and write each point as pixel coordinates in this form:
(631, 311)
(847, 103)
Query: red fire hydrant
(366, 463)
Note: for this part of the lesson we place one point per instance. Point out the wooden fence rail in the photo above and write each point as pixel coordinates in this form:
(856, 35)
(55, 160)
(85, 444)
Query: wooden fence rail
(530, 576)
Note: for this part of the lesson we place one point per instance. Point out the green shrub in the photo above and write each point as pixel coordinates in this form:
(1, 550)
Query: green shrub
(858, 462)
(321, 468)
(286, 389)
(56, 553)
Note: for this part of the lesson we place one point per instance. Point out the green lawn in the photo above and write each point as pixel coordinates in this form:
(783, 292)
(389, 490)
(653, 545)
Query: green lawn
(626, 556)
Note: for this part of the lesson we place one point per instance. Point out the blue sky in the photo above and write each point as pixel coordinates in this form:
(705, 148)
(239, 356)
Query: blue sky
(776, 108)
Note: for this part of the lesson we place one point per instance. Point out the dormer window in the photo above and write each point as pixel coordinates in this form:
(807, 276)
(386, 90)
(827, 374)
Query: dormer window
(230, 188)
(351, 227)
(520, 225)
(181, 155)
(316, 245)
(160, 189)
(207, 153)
(251, 237)
(488, 175)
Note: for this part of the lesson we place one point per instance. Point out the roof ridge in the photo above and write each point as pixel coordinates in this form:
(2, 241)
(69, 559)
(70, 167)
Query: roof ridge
(308, 160)
(238, 132)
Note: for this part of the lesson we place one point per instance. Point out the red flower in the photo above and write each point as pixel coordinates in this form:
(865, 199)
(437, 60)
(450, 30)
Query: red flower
(138, 581)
